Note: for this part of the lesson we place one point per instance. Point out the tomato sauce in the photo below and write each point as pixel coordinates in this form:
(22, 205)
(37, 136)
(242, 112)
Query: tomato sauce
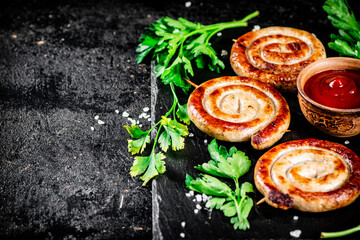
(335, 88)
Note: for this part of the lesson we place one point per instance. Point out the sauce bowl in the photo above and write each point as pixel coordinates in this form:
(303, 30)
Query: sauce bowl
(333, 121)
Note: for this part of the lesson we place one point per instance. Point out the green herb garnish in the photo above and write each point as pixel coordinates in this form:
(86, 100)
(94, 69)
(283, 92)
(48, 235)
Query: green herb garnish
(347, 43)
(175, 45)
(233, 164)
(340, 233)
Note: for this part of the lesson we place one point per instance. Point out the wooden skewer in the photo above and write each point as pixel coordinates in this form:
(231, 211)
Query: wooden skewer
(191, 83)
(260, 201)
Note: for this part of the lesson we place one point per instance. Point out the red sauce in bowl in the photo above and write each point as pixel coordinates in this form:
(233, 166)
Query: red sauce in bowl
(335, 88)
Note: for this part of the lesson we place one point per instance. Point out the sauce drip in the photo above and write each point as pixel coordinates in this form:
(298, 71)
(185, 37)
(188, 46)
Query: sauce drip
(335, 88)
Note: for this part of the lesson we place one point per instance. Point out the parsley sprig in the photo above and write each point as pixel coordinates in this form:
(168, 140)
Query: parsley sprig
(175, 46)
(347, 43)
(340, 233)
(233, 164)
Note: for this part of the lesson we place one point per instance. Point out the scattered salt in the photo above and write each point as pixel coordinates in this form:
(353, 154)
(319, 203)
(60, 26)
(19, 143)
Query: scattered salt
(92, 128)
(205, 141)
(198, 206)
(191, 193)
(219, 34)
(183, 224)
(256, 27)
(96, 117)
(295, 218)
(117, 111)
(296, 233)
(196, 211)
(224, 53)
(188, 4)
(101, 122)
(191, 135)
(205, 198)
(182, 235)
(198, 197)
(146, 109)
(125, 114)
(144, 115)
(347, 142)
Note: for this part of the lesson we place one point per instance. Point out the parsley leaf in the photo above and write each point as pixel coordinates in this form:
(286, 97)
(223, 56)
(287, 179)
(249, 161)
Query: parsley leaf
(138, 146)
(348, 41)
(153, 165)
(233, 164)
(173, 134)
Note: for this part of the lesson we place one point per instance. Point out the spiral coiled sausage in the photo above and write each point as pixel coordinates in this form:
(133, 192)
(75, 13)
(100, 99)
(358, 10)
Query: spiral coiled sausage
(275, 55)
(309, 175)
(237, 109)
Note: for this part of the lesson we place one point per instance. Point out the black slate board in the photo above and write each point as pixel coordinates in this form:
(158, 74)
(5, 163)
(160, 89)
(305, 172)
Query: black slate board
(174, 214)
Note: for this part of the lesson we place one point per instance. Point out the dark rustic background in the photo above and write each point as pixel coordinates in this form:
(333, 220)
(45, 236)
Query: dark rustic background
(65, 65)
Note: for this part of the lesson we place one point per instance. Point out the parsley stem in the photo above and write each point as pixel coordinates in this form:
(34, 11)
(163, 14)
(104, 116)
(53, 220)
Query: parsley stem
(156, 138)
(340, 233)
(239, 23)
(238, 212)
(237, 198)
(221, 26)
(166, 114)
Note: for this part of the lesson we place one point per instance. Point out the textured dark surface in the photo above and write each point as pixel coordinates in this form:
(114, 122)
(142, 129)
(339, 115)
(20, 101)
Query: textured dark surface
(62, 63)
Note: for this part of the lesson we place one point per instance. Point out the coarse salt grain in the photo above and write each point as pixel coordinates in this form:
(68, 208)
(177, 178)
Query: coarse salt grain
(92, 128)
(205, 141)
(198, 206)
(183, 224)
(125, 114)
(224, 53)
(198, 197)
(256, 27)
(296, 233)
(101, 122)
(191, 135)
(219, 34)
(182, 235)
(205, 198)
(196, 211)
(146, 109)
(96, 117)
(117, 111)
(295, 217)
(188, 4)
(347, 142)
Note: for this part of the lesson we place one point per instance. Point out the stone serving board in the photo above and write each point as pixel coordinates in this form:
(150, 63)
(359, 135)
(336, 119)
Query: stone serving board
(178, 215)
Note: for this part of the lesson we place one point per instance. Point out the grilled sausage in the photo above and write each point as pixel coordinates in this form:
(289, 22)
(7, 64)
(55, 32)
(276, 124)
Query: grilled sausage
(309, 175)
(275, 55)
(237, 109)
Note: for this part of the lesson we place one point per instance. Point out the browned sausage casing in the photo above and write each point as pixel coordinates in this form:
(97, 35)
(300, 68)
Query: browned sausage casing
(237, 109)
(309, 175)
(275, 55)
